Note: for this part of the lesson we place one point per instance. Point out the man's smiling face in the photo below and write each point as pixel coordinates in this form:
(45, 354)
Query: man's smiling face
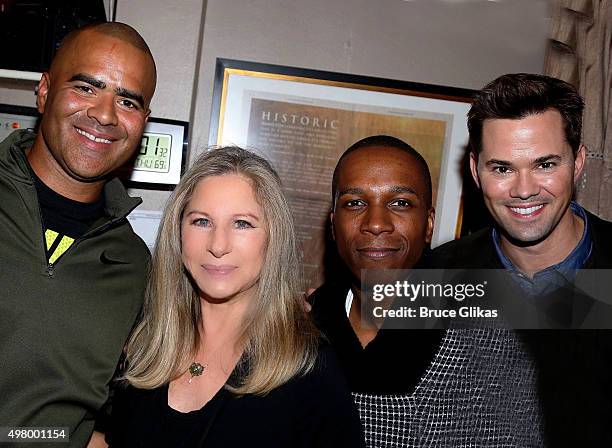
(382, 218)
(95, 102)
(526, 171)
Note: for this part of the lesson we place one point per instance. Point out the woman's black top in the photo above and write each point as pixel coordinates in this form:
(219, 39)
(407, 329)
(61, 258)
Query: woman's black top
(314, 410)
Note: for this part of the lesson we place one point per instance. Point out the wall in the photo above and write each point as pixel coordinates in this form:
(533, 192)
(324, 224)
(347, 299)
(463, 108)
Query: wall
(173, 32)
(462, 43)
(456, 43)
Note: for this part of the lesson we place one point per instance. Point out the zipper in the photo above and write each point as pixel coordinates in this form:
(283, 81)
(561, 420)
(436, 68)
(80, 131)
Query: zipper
(92, 232)
(51, 266)
(50, 269)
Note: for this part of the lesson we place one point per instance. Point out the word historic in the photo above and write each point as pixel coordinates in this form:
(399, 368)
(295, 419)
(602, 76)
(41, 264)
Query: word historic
(303, 120)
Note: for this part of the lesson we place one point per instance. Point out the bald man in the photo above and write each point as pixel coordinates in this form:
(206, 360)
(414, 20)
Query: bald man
(73, 271)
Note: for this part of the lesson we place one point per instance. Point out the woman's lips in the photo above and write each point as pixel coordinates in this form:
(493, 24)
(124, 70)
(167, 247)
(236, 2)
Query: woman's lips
(218, 269)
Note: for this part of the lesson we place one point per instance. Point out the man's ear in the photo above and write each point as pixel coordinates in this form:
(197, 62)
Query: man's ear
(147, 115)
(474, 167)
(331, 221)
(42, 90)
(579, 162)
(431, 219)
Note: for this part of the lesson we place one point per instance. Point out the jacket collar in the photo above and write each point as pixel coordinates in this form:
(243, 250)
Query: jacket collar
(601, 233)
(118, 203)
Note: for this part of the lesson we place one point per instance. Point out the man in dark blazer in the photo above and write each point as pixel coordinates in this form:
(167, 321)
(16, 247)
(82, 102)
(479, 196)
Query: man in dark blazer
(526, 156)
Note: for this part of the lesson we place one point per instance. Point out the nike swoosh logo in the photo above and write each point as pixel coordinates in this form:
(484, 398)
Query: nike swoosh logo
(106, 258)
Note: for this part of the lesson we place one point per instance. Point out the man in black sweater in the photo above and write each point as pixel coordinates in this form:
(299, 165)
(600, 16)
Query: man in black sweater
(382, 218)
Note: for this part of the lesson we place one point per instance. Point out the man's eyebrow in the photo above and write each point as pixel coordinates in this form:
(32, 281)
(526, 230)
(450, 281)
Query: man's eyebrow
(402, 189)
(131, 95)
(89, 80)
(350, 190)
(547, 158)
(498, 162)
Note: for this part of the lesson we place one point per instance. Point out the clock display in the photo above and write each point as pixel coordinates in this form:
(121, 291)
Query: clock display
(154, 154)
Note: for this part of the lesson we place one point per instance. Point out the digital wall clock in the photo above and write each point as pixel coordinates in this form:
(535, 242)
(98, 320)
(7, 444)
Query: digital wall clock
(160, 159)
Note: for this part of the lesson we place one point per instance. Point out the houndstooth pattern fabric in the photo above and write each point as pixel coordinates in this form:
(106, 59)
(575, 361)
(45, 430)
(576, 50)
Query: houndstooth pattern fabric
(480, 391)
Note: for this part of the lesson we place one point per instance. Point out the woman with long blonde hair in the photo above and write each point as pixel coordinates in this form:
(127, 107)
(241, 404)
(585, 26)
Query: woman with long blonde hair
(225, 354)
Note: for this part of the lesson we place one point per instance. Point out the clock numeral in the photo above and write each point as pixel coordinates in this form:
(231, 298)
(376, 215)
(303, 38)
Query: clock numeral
(144, 145)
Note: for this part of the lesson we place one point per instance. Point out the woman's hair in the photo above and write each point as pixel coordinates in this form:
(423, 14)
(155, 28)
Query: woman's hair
(279, 337)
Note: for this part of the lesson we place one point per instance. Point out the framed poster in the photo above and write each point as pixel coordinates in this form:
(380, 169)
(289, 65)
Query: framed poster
(303, 120)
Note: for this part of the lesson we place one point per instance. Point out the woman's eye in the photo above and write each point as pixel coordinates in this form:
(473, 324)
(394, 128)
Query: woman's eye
(200, 222)
(242, 224)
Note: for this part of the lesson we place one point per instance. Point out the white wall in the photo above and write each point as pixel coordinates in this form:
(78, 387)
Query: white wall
(462, 43)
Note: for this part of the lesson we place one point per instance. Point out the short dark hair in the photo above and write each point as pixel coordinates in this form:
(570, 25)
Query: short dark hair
(386, 141)
(518, 95)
